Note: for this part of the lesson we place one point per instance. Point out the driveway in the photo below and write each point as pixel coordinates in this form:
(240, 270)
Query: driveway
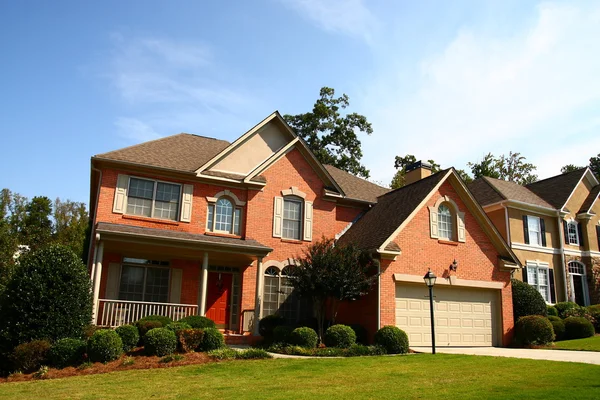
(587, 357)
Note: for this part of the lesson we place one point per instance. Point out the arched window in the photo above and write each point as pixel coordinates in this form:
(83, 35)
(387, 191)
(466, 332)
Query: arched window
(224, 216)
(446, 221)
(279, 296)
(445, 226)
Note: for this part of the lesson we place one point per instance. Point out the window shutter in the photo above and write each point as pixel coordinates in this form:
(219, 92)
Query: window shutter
(543, 231)
(120, 202)
(552, 289)
(176, 280)
(524, 270)
(566, 232)
(525, 229)
(277, 216)
(308, 220)
(186, 203)
(598, 235)
(461, 226)
(113, 281)
(580, 233)
(433, 222)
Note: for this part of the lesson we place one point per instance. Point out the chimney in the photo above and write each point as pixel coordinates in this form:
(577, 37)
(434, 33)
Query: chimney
(417, 171)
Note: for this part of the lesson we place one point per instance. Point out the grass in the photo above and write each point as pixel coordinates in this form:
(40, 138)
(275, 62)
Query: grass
(587, 344)
(421, 376)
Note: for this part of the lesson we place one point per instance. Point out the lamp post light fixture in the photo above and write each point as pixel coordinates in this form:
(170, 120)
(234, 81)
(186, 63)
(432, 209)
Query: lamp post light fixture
(429, 279)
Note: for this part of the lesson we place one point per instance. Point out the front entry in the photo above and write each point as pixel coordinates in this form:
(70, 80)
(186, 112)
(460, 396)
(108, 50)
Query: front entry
(578, 289)
(218, 298)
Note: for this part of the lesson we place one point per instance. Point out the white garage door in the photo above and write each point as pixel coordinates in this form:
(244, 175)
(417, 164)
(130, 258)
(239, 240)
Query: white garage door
(463, 316)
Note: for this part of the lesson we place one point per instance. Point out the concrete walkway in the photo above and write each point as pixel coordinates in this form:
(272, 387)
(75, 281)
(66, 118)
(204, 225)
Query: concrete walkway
(587, 357)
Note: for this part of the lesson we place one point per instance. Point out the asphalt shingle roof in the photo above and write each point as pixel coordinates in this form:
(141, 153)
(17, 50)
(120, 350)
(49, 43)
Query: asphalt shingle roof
(490, 190)
(556, 190)
(354, 187)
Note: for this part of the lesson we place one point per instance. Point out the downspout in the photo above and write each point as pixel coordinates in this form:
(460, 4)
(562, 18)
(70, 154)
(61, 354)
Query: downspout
(562, 255)
(378, 295)
(92, 236)
(507, 225)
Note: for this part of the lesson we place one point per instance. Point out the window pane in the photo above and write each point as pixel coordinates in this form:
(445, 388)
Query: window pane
(532, 276)
(288, 302)
(132, 283)
(157, 285)
(138, 206)
(572, 229)
(141, 188)
(270, 295)
(292, 216)
(444, 222)
(211, 215)
(224, 217)
(533, 225)
(238, 221)
(165, 210)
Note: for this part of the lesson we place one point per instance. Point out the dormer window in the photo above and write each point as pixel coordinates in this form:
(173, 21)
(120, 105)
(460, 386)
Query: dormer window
(292, 215)
(446, 221)
(224, 213)
(445, 229)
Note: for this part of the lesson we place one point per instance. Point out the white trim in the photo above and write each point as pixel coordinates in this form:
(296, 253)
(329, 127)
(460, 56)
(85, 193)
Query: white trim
(156, 182)
(507, 224)
(408, 278)
(587, 174)
(522, 206)
(537, 249)
(585, 289)
(293, 191)
(538, 232)
(540, 265)
(227, 193)
(272, 159)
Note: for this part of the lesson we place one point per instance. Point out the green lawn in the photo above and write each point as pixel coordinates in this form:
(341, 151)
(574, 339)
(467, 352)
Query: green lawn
(587, 344)
(421, 376)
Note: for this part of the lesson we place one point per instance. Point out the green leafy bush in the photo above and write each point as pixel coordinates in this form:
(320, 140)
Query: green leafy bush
(533, 330)
(105, 345)
(252, 354)
(355, 350)
(552, 311)
(359, 350)
(212, 340)
(594, 311)
(177, 326)
(129, 336)
(393, 339)
(223, 353)
(48, 296)
(267, 325)
(341, 336)
(67, 352)
(527, 300)
(583, 312)
(304, 337)
(164, 321)
(565, 306)
(361, 333)
(578, 328)
(558, 326)
(190, 339)
(30, 356)
(160, 342)
(198, 322)
(146, 326)
(281, 334)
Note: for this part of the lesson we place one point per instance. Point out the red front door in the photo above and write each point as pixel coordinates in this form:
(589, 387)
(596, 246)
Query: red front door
(218, 298)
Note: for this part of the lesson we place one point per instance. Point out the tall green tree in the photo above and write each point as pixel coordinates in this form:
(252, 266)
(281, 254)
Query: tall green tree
(595, 165)
(331, 135)
(400, 163)
(513, 168)
(70, 224)
(37, 224)
(8, 243)
(569, 168)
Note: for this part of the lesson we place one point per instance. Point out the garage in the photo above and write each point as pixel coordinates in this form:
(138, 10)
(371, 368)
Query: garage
(463, 316)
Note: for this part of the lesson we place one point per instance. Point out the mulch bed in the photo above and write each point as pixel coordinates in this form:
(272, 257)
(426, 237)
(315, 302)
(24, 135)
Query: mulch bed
(140, 362)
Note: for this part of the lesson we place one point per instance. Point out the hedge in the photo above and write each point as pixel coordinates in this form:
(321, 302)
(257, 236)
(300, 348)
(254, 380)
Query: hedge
(558, 326)
(341, 336)
(104, 346)
(190, 339)
(212, 340)
(533, 330)
(578, 328)
(304, 337)
(67, 352)
(198, 322)
(30, 356)
(564, 306)
(527, 300)
(129, 335)
(393, 339)
(267, 325)
(160, 342)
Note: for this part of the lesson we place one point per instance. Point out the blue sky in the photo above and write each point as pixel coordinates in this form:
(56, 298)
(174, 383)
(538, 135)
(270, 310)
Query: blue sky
(444, 80)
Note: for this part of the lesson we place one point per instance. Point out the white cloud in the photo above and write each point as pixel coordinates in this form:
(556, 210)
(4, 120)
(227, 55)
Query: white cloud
(135, 130)
(349, 17)
(535, 92)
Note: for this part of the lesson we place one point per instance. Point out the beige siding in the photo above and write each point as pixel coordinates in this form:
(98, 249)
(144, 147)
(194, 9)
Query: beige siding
(577, 198)
(591, 227)
(498, 218)
(516, 227)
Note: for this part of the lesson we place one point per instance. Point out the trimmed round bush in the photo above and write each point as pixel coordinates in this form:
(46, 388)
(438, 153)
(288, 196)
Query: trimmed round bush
(393, 339)
(30, 356)
(105, 345)
(304, 337)
(341, 336)
(527, 300)
(68, 352)
(578, 328)
(559, 327)
(533, 330)
(160, 342)
(177, 326)
(47, 296)
(145, 326)
(552, 311)
(361, 333)
(164, 321)
(198, 322)
(189, 339)
(130, 336)
(281, 334)
(565, 306)
(212, 340)
(267, 325)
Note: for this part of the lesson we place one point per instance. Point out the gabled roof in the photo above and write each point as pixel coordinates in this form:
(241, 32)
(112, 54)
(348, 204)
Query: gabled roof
(557, 189)
(355, 187)
(490, 190)
(587, 205)
(183, 152)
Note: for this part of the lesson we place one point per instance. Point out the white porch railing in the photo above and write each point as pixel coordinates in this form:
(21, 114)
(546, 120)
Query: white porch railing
(122, 312)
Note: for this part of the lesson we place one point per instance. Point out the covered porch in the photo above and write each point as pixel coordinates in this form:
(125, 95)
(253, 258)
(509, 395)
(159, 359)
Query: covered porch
(137, 272)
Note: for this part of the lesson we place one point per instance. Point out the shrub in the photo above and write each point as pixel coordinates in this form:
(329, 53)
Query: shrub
(393, 339)
(105, 345)
(533, 330)
(361, 333)
(160, 342)
(48, 296)
(146, 326)
(67, 352)
(578, 328)
(224, 353)
(358, 350)
(30, 356)
(580, 312)
(281, 334)
(558, 326)
(304, 337)
(164, 321)
(177, 326)
(190, 339)
(252, 354)
(341, 336)
(267, 325)
(129, 336)
(527, 300)
(198, 322)
(552, 311)
(212, 340)
(41, 373)
(564, 306)
(594, 311)
(89, 330)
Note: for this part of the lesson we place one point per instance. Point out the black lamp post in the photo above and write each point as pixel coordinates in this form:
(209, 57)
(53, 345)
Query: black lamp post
(429, 279)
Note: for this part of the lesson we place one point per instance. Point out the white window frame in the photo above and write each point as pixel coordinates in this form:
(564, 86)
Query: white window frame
(298, 200)
(155, 185)
(451, 222)
(586, 297)
(281, 295)
(538, 233)
(145, 264)
(540, 267)
(210, 225)
(576, 227)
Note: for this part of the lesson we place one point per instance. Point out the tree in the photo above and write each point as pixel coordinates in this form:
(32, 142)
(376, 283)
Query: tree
(329, 274)
(595, 165)
(464, 176)
(399, 179)
(37, 225)
(569, 168)
(70, 224)
(512, 168)
(8, 244)
(333, 137)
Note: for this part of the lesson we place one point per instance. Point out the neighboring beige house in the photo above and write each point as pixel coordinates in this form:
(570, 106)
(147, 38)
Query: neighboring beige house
(553, 226)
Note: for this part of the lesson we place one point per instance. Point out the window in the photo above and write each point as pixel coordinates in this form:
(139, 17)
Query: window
(153, 199)
(279, 297)
(445, 222)
(535, 232)
(141, 282)
(223, 217)
(538, 277)
(578, 283)
(573, 237)
(292, 218)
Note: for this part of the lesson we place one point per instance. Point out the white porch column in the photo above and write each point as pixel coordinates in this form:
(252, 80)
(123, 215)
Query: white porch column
(204, 283)
(259, 290)
(97, 277)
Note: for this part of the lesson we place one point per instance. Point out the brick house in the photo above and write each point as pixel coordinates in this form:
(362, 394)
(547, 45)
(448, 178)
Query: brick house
(193, 225)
